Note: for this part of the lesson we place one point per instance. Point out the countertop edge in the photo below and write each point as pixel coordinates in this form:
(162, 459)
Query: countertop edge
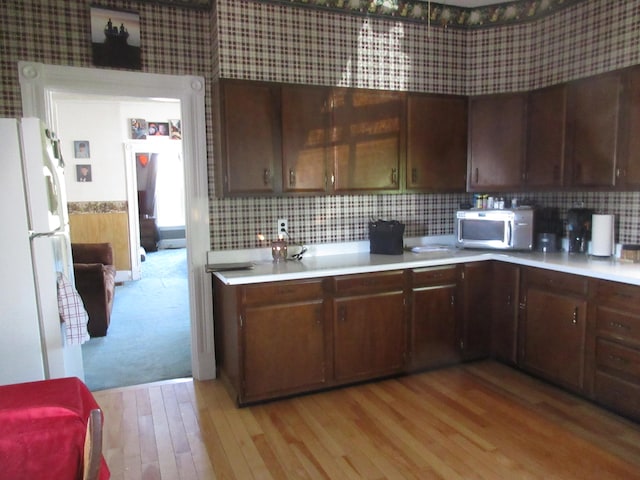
(606, 269)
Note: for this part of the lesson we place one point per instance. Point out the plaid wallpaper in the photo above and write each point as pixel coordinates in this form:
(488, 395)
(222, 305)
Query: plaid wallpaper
(265, 41)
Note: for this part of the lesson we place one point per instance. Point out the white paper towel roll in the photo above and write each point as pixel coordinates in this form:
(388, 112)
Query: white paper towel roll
(602, 236)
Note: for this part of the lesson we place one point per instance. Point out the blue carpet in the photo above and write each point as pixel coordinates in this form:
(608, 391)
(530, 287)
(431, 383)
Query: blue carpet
(149, 335)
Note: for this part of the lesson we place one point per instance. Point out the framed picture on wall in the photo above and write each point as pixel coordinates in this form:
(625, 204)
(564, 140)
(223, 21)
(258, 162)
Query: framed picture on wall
(81, 149)
(175, 129)
(83, 173)
(115, 38)
(138, 128)
(158, 129)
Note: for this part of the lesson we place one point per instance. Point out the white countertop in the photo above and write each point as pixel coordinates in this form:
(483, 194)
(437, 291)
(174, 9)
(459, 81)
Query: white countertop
(354, 257)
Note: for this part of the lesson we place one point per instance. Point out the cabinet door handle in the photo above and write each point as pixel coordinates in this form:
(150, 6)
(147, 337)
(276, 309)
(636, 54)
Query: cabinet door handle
(619, 325)
(453, 300)
(342, 314)
(508, 299)
(574, 320)
(394, 176)
(618, 359)
(414, 175)
(477, 175)
(292, 178)
(266, 176)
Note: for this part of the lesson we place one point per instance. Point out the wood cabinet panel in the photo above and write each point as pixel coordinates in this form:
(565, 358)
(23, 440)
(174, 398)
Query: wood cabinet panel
(628, 174)
(306, 118)
(436, 143)
(369, 282)
(434, 326)
(504, 319)
(496, 142)
(369, 336)
(251, 159)
(594, 109)
(367, 139)
(618, 324)
(618, 394)
(475, 331)
(282, 292)
(284, 349)
(554, 336)
(557, 281)
(546, 133)
(616, 356)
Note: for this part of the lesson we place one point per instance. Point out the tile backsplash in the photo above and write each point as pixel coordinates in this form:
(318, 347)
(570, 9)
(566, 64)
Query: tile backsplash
(280, 42)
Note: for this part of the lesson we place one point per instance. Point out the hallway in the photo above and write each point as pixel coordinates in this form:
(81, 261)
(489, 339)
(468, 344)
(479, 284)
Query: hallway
(149, 335)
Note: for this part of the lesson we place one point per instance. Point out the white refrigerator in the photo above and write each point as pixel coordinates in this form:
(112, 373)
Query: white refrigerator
(35, 247)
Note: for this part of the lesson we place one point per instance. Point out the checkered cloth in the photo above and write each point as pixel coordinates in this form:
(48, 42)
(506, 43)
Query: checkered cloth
(72, 312)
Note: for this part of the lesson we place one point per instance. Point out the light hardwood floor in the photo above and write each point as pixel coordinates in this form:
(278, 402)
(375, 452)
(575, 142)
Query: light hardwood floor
(476, 421)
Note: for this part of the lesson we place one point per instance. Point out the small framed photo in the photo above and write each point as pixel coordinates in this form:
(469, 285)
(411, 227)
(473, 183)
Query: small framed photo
(175, 129)
(81, 149)
(138, 128)
(83, 173)
(158, 129)
(115, 38)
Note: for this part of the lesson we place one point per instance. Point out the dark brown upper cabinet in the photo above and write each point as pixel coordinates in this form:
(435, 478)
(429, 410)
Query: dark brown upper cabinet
(628, 170)
(306, 120)
(366, 140)
(436, 143)
(250, 156)
(594, 106)
(546, 133)
(497, 126)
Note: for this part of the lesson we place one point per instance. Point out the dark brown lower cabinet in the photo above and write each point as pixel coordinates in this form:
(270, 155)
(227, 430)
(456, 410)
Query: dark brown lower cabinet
(287, 337)
(283, 348)
(616, 381)
(369, 338)
(553, 326)
(505, 279)
(434, 317)
(475, 329)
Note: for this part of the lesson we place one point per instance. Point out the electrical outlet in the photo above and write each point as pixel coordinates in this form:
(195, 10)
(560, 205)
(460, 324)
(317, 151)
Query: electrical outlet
(283, 227)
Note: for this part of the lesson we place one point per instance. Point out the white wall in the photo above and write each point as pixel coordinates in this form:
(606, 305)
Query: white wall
(104, 122)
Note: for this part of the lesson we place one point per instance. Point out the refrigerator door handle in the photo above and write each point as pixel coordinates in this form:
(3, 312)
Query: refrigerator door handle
(60, 229)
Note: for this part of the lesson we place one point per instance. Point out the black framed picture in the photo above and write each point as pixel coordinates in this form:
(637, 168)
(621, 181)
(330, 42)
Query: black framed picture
(83, 173)
(81, 149)
(115, 38)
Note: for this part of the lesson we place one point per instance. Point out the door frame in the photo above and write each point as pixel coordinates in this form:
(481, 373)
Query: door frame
(38, 83)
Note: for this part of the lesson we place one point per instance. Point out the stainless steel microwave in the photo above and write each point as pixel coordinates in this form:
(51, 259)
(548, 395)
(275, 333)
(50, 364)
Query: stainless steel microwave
(508, 229)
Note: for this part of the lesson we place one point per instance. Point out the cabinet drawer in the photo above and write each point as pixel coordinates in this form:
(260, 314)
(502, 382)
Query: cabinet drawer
(556, 280)
(282, 292)
(369, 282)
(433, 275)
(619, 294)
(618, 394)
(618, 324)
(621, 359)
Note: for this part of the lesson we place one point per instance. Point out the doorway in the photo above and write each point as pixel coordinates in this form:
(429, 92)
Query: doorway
(38, 84)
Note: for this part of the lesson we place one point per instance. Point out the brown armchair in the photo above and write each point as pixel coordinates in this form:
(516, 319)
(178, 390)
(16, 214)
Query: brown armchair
(95, 277)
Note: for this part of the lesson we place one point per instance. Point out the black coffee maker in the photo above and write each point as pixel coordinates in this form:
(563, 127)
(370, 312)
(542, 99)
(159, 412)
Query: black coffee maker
(579, 229)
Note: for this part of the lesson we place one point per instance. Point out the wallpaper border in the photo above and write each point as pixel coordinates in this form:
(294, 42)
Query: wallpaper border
(499, 14)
